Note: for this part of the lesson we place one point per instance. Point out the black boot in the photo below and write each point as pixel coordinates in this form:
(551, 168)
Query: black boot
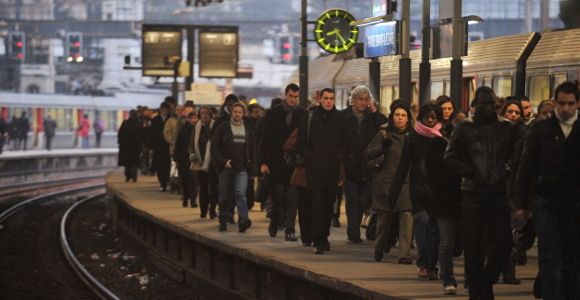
(223, 224)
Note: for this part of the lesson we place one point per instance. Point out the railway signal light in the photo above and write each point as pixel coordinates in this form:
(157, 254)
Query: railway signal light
(17, 45)
(286, 48)
(75, 47)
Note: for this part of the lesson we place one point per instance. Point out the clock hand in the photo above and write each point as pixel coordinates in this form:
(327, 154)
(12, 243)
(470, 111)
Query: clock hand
(340, 37)
(335, 31)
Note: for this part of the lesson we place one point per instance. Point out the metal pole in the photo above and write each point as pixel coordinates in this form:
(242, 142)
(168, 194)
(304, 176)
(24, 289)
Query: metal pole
(405, 61)
(303, 67)
(175, 85)
(425, 66)
(456, 63)
(190, 57)
(544, 15)
(528, 16)
(375, 78)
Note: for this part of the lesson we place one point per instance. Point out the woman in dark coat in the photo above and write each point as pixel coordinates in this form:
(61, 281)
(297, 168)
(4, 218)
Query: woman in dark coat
(389, 153)
(130, 140)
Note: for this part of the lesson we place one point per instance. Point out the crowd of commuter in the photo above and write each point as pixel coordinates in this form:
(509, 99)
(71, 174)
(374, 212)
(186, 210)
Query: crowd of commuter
(483, 184)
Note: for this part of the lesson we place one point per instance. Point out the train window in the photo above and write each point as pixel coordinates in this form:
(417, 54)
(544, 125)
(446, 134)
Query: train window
(386, 99)
(539, 89)
(558, 79)
(437, 89)
(502, 85)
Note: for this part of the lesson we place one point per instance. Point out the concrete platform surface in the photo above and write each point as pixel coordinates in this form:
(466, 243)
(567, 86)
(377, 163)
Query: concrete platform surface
(348, 262)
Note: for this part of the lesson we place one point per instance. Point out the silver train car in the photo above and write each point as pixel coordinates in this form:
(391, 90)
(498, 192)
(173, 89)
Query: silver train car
(531, 64)
(68, 110)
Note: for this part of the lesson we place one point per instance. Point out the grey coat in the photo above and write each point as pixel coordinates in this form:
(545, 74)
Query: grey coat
(390, 186)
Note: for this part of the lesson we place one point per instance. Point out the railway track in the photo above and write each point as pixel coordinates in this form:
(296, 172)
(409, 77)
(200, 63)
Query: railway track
(38, 262)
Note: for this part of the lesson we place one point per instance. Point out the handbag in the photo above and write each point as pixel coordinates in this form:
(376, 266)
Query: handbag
(290, 144)
(298, 178)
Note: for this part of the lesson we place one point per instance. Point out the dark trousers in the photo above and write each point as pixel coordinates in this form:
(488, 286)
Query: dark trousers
(304, 215)
(98, 136)
(130, 172)
(188, 184)
(48, 143)
(558, 250)
(162, 168)
(321, 208)
(485, 215)
(337, 204)
(284, 206)
(356, 203)
(208, 191)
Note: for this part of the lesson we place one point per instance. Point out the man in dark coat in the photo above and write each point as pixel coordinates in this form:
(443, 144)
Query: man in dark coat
(24, 127)
(360, 130)
(481, 151)
(322, 143)
(279, 123)
(161, 156)
(550, 166)
(130, 140)
(182, 160)
(49, 130)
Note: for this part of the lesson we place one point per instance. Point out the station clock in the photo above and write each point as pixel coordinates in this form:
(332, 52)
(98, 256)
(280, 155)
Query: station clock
(333, 31)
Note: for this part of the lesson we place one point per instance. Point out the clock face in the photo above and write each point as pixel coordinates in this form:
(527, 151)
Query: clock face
(333, 32)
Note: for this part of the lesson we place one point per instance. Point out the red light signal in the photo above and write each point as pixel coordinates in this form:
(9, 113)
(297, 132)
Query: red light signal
(17, 43)
(74, 41)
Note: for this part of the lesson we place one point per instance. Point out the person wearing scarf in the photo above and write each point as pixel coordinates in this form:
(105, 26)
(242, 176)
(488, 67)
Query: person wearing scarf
(435, 207)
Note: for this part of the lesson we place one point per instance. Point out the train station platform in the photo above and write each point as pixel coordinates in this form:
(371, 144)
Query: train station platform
(253, 265)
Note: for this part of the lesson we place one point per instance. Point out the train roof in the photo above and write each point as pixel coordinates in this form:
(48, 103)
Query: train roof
(118, 101)
(556, 48)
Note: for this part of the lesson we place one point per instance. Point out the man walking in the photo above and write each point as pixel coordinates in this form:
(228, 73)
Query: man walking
(99, 128)
(322, 143)
(161, 156)
(49, 131)
(278, 124)
(550, 166)
(360, 130)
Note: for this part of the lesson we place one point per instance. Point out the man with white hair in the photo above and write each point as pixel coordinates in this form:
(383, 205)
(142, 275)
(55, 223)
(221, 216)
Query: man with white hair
(361, 128)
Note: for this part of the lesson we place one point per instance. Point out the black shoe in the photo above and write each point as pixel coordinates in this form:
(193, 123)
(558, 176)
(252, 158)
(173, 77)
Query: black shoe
(318, 250)
(184, 203)
(336, 222)
(231, 220)
(290, 237)
(306, 244)
(193, 203)
(378, 256)
(212, 215)
(272, 230)
(203, 216)
(126, 179)
(511, 280)
(244, 224)
(355, 240)
(405, 261)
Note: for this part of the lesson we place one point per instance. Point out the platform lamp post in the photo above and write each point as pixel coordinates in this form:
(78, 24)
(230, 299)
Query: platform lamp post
(405, 60)
(303, 66)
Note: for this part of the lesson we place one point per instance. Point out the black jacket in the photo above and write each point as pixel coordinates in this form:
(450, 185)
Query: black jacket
(182, 145)
(359, 137)
(434, 187)
(158, 143)
(130, 140)
(274, 135)
(325, 149)
(550, 163)
(482, 155)
(222, 141)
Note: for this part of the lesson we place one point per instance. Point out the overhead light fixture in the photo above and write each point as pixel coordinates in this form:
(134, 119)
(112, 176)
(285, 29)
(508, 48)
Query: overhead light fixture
(473, 19)
(371, 21)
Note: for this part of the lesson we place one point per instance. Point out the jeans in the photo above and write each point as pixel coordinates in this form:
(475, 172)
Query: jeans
(356, 197)
(426, 236)
(85, 142)
(284, 206)
(485, 215)
(232, 192)
(558, 250)
(446, 249)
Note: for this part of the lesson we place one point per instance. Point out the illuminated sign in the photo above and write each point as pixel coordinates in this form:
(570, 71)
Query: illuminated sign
(381, 39)
(159, 44)
(218, 54)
